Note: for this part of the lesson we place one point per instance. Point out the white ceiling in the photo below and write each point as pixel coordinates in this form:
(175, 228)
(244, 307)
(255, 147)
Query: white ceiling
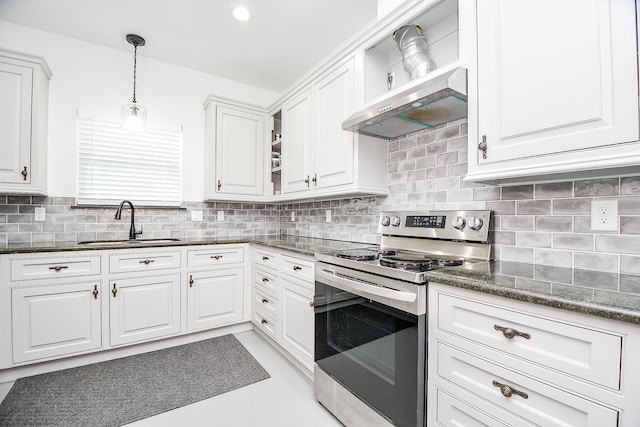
(282, 41)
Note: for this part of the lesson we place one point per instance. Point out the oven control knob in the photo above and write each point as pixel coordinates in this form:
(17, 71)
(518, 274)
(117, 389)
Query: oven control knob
(476, 224)
(459, 223)
(385, 220)
(395, 221)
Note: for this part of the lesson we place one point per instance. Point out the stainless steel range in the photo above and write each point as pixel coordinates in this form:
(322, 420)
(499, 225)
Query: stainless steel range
(370, 314)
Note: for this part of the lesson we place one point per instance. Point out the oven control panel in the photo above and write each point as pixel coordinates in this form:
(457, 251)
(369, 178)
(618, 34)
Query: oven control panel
(426, 221)
(456, 225)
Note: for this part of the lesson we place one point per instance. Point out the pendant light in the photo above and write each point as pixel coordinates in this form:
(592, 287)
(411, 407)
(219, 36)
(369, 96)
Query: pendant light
(134, 116)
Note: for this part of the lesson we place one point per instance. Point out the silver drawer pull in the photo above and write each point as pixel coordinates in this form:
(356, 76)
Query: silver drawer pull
(508, 391)
(58, 267)
(147, 261)
(510, 332)
(216, 256)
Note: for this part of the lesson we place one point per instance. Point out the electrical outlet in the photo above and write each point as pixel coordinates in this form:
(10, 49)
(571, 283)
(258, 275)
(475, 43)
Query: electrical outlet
(197, 216)
(220, 215)
(293, 216)
(39, 214)
(604, 215)
(327, 215)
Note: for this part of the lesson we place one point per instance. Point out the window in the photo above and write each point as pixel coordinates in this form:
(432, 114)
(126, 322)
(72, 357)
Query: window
(116, 164)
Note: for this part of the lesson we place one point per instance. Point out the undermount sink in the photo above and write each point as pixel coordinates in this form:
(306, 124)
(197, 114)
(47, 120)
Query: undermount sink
(126, 242)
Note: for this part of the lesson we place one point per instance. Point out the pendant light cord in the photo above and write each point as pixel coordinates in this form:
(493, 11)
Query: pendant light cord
(135, 62)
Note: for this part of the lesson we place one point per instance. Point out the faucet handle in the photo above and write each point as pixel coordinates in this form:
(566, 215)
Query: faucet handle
(137, 233)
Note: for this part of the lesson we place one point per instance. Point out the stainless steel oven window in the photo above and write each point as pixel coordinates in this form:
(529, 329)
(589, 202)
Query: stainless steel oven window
(375, 351)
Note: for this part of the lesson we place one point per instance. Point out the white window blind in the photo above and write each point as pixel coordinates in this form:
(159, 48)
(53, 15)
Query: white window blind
(117, 164)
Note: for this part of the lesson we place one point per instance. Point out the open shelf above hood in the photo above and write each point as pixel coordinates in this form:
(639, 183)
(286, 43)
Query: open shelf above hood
(438, 97)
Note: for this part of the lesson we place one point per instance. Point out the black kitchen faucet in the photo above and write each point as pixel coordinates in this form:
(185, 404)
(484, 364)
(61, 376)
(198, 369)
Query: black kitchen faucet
(132, 231)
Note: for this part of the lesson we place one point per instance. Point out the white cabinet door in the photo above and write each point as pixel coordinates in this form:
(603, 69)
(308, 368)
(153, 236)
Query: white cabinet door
(333, 147)
(297, 144)
(144, 308)
(235, 138)
(15, 123)
(24, 102)
(55, 320)
(240, 140)
(296, 320)
(552, 77)
(214, 298)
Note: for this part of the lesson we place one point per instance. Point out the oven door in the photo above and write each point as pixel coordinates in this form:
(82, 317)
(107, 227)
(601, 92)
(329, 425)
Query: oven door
(376, 351)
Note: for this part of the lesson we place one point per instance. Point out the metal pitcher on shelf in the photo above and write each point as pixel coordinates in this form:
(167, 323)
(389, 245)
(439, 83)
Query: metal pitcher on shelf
(413, 45)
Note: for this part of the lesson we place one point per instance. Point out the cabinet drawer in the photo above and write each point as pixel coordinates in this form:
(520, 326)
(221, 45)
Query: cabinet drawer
(454, 412)
(265, 324)
(265, 258)
(544, 405)
(266, 279)
(265, 303)
(50, 268)
(301, 268)
(575, 350)
(136, 261)
(215, 256)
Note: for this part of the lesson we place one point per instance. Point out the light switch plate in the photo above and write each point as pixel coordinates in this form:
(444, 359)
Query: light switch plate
(39, 214)
(220, 215)
(293, 216)
(196, 216)
(327, 215)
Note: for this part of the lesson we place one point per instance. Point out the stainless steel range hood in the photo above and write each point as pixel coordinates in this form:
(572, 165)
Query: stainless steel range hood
(438, 97)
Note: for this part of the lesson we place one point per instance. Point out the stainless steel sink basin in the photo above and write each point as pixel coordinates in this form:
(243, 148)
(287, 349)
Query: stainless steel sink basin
(126, 242)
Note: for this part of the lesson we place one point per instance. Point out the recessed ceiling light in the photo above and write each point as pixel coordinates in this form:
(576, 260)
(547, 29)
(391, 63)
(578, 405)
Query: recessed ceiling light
(241, 13)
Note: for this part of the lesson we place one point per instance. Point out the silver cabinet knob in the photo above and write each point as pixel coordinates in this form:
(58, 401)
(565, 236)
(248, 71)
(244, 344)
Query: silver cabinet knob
(459, 223)
(395, 221)
(476, 223)
(385, 220)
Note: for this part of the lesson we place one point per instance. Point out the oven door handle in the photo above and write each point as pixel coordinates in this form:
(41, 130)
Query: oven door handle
(357, 285)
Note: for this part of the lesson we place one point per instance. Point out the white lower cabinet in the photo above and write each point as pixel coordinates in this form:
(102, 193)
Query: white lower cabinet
(497, 361)
(296, 299)
(55, 320)
(214, 298)
(282, 303)
(144, 308)
(60, 304)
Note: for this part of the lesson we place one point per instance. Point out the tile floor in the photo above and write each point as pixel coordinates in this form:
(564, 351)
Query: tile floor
(284, 400)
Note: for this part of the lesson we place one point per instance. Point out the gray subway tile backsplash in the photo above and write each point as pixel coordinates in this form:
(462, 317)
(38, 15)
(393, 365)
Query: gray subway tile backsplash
(597, 187)
(546, 223)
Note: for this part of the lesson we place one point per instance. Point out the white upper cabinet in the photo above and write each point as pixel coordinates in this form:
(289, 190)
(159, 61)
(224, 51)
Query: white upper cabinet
(556, 90)
(296, 143)
(234, 152)
(333, 97)
(24, 92)
(319, 159)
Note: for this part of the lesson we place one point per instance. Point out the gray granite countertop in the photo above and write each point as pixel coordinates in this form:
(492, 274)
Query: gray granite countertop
(301, 245)
(608, 295)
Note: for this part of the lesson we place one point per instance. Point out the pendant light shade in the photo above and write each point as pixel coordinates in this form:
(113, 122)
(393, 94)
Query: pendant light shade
(134, 115)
